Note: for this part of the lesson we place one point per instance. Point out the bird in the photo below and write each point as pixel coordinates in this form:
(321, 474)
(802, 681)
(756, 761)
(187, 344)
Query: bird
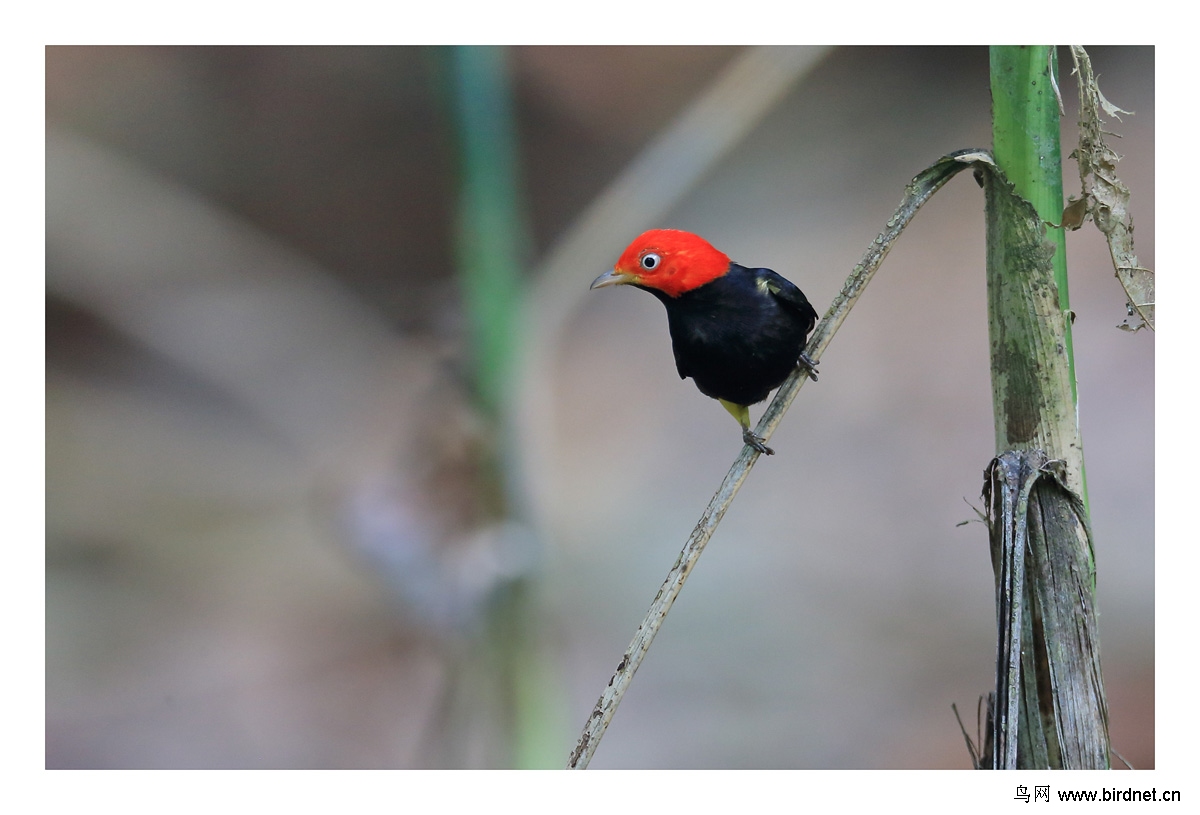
(738, 332)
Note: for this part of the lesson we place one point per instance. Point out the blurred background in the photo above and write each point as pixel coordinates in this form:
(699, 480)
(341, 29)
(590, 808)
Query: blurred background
(346, 467)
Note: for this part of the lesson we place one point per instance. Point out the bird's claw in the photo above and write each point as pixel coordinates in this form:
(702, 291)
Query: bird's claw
(756, 441)
(811, 364)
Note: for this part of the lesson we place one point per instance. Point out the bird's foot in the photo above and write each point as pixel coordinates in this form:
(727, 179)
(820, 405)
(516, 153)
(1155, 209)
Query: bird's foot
(756, 441)
(811, 364)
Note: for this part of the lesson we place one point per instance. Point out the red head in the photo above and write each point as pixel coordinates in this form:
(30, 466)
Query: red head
(668, 260)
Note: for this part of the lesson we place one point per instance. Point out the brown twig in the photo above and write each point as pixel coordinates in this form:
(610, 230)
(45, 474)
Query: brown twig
(916, 193)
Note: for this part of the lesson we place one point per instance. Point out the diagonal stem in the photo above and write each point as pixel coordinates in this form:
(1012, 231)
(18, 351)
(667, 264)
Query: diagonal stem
(915, 194)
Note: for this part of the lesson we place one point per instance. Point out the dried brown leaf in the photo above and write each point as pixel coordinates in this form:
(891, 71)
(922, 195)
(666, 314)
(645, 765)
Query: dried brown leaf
(1104, 197)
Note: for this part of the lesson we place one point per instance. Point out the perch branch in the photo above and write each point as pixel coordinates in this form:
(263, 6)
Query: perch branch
(916, 193)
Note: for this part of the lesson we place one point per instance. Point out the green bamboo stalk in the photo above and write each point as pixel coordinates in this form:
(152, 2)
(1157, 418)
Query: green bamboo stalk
(1049, 710)
(491, 246)
(1025, 135)
(1027, 149)
(490, 235)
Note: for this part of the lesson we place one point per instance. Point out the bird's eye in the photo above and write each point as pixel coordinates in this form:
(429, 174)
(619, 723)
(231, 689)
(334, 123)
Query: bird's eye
(650, 261)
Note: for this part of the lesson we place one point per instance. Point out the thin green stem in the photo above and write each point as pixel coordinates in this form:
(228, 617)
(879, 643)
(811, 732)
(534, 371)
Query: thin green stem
(491, 249)
(490, 229)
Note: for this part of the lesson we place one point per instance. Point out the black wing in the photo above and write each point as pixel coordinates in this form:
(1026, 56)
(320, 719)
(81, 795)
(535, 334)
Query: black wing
(789, 296)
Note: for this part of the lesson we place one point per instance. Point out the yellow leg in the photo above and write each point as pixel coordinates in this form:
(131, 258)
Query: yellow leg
(742, 414)
(739, 412)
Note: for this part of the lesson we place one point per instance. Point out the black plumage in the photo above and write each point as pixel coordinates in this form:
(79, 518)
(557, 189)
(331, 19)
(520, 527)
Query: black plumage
(739, 335)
